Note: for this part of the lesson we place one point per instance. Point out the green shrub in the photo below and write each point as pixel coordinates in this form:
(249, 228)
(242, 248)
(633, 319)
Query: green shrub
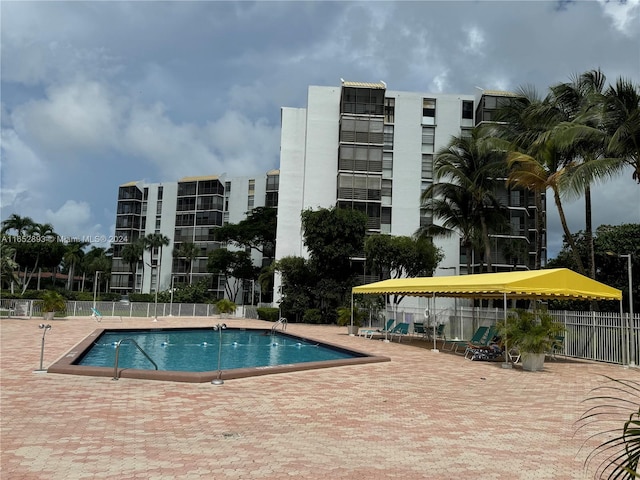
(313, 315)
(269, 314)
(141, 297)
(344, 316)
(225, 306)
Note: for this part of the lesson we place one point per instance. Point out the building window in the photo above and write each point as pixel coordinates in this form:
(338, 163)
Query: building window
(389, 110)
(146, 193)
(157, 223)
(429, 111)
(160, 189)
(159, 207)
(359, 187)
(227, 187)
(271, 199)
(516, 198)
(387, 187)
(467, 109)
(360, 158)
(387, 164)
(428, 136)
(250, 202)
(388, 137)
(427, 166)
(361, 130)
(185, 189)
(362, 101)
(252, 187)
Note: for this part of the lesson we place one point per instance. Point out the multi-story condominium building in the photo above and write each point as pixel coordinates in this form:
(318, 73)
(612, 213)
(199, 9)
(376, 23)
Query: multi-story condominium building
(358, 145)
(189, 210)
(365, 147)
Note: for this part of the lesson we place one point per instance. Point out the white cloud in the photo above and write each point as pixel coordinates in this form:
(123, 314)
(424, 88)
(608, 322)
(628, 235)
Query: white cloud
(624, 15)
(77, 117)
(23, 175)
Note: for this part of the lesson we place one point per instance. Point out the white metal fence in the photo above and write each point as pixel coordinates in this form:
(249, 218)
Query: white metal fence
(601, 336)
(31, 308)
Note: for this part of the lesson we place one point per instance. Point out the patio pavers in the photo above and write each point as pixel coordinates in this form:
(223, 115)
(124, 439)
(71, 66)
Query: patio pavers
(422, 415)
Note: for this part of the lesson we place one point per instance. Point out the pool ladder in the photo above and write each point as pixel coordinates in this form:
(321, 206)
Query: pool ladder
(115, 366)
(282, 322)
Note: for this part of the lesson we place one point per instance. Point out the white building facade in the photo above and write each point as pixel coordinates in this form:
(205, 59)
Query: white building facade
(363, 146)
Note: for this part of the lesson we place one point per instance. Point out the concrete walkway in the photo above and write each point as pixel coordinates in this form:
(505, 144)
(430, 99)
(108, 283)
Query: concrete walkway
(422, 415)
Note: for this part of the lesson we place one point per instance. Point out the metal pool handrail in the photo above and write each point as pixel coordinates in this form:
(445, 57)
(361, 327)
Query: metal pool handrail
(115, 366)
(282, 321)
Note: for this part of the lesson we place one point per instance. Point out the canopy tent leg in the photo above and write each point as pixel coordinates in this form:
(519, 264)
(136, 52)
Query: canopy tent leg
(433, 309)
(506, 363)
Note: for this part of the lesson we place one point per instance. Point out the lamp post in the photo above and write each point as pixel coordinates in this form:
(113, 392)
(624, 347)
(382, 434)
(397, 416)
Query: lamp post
(631, 334)
(219, 327)
(45, 328)
(171, 301)
(95, 286)
(631, 355)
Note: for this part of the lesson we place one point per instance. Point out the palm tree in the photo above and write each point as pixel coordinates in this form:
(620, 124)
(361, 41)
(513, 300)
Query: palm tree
(453, 205)
(45, 232)
(189, 251)
(153, 241)
(98, 259)
(622, 122)
(537, 159)
(8, 266)
(582, 137)
(132, 254)
(73, 256)
(17, 223)
(471, 165)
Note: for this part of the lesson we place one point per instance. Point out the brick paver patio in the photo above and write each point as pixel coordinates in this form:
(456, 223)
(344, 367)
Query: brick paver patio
(422, 415)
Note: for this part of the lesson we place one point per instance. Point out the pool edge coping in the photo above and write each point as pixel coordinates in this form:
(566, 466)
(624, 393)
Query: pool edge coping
(64, 365)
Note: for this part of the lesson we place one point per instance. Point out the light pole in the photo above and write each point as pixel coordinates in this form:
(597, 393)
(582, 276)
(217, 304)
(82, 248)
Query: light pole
(631, 323)
(95, 286)
(219, 327)
(45, 328)
(171, 301)
(631, 343)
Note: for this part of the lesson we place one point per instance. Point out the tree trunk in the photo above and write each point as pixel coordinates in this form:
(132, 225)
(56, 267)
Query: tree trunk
(567, 233)
(487, 243)
(589, 231)
(539, 223)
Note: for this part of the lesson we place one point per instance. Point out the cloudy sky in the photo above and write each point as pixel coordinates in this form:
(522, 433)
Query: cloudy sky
(97, 94)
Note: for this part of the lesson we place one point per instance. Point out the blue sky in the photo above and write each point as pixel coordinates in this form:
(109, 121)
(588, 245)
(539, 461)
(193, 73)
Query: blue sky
(97, 94)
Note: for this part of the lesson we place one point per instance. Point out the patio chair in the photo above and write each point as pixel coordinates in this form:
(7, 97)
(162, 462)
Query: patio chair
(419, 329)
(400, 330)
(438, 334)
(477, 337)
(95, 313)
(369, 333)
(557, 346)
(483, 345)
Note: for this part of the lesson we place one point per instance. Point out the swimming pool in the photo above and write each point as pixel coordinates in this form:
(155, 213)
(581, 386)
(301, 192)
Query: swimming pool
(191, 355)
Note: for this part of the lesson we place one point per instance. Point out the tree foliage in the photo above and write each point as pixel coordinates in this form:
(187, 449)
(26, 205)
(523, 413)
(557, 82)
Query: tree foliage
(257, 231)
(610, 241)
(232, 265)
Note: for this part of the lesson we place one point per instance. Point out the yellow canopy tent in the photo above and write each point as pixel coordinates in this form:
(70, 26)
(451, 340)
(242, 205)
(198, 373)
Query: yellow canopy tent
(558, 283)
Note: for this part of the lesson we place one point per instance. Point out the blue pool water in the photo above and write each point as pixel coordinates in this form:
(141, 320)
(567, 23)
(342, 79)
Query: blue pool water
(196, 350)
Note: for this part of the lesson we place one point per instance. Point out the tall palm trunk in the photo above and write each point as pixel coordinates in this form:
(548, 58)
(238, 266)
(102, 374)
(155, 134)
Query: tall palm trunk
(567, 232)
(539, 223)
(589, 231)
(487, 243)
